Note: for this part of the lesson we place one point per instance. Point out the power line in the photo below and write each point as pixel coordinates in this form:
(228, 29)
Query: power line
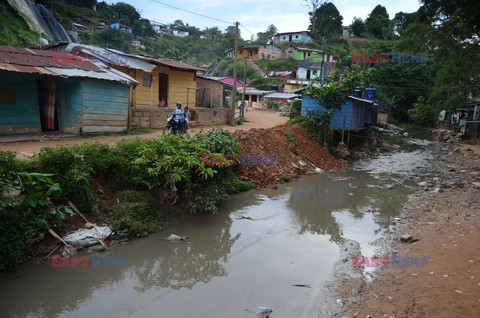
(191, 12)
(247, 30)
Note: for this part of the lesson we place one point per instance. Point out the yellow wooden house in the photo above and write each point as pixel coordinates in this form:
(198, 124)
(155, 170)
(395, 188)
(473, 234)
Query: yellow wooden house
(162, 82)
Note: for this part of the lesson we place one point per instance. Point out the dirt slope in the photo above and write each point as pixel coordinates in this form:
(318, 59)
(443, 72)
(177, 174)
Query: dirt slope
(274, 142)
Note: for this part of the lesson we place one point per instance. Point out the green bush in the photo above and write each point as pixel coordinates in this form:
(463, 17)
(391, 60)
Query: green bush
(297, 105)
(135, 215)
(274, 104)
(237, 186)
(286, 178)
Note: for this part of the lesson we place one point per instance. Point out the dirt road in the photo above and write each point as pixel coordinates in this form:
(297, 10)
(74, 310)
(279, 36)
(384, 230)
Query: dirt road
(256, 119)
(445, 220)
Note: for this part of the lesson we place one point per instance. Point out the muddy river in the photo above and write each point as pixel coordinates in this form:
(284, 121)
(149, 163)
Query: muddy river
(231, 265)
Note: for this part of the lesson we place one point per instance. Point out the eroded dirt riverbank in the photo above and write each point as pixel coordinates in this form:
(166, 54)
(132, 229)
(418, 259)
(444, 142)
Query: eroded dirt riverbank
(445, 219)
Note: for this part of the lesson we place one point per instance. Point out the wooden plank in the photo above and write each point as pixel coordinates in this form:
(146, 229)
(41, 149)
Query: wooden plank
(92, 129)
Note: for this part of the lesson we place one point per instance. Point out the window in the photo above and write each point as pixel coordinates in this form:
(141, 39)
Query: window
(314, 72)
(147, 80)
(296, 36)
(7, 96)
(284, 38)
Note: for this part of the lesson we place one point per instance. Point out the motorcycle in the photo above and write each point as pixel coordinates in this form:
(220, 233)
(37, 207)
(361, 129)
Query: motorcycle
(173, 126)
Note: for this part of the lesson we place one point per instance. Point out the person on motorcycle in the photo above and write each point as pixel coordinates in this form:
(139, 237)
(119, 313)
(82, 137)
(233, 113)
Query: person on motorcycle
(179, 113)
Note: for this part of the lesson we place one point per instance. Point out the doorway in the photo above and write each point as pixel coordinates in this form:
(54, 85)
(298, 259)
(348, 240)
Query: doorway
(308, 74)
(163, 89)
(290, 38)
(47, 101)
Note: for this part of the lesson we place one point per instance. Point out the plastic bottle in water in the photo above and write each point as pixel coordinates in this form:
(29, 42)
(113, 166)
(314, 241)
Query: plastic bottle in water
(266, 310)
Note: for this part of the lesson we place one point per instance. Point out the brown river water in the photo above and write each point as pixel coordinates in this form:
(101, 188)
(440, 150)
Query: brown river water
(230, 265)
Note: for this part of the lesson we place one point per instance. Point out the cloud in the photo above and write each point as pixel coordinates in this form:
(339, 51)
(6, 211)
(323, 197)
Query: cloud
(257, 15)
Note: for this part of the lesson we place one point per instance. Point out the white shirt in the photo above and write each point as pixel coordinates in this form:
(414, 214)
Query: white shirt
(179, 113)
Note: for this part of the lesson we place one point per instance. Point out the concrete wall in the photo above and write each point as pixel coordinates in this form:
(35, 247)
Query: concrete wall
(157, 117)
(302, 73)
(23, 116)
(296, 38)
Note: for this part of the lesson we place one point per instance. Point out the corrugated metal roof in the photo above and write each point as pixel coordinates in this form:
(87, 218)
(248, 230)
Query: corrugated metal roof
(32, 61)
(281, 95)
(119, 58)
(361, 99)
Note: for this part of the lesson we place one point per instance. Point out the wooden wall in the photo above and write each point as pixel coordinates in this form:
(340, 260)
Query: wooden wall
(178, 81)
(24, 115)
(105, 106)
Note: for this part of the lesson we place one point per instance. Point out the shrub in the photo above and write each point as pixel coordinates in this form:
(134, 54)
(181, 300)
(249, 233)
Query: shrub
(237, 186)
(286, 177)
(297, 105)
(135, 215)
(274, 104)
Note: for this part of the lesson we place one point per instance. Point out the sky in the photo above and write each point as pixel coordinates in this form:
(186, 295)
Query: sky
(256, 15)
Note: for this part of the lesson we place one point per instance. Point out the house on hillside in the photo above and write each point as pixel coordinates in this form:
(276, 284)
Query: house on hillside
(43, 91)
(255, 52)
(305, 54)
(162, 82)
(355, 114)
(293, 37)
(346, 31)
(310, 70)
(121, 27)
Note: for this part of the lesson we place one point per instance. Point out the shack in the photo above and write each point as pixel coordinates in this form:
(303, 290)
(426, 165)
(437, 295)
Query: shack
(212, 93)
(42, 92)
(163, 82)
(355, 114)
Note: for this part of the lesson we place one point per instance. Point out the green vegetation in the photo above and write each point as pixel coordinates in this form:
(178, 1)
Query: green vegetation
(286, 178)
(15, 31)
(237, 186)
(290, 138)
(139, 171)
(135, 215)
(393, 139)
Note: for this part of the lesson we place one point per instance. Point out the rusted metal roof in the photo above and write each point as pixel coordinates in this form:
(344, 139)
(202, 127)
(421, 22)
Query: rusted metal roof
(118, 58)
(32, 61)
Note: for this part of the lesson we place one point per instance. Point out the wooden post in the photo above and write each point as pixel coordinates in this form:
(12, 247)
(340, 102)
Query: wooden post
(343, 129)
(234, 91)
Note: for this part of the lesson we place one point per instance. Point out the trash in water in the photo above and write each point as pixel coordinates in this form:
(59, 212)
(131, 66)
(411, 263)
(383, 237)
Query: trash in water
(264, 312)
(302, 285)
(88, 237)
(340, 302)
(244, 218)
(174, 237)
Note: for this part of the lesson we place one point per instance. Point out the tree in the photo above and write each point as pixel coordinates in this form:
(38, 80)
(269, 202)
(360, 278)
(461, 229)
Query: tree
(90, 4)
(459, 17)
(143, 27)
(178, 25)
(326, 21)
(312, 6)
(357, 28)
(266, 37)
(212, 33)
(378, 22)
(125, 13)
(402, 20)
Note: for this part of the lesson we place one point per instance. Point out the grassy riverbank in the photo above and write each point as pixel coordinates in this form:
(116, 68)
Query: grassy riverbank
(129, 186)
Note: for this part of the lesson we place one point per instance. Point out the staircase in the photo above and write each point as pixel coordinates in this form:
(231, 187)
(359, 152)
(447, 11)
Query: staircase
(256, 68)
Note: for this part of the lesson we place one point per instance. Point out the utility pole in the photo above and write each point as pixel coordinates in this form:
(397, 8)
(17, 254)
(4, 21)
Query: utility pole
(244, 86)
(234, 92)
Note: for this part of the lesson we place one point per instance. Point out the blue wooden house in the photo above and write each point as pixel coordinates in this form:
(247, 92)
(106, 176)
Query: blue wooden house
(356, 112)
(43, 91)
